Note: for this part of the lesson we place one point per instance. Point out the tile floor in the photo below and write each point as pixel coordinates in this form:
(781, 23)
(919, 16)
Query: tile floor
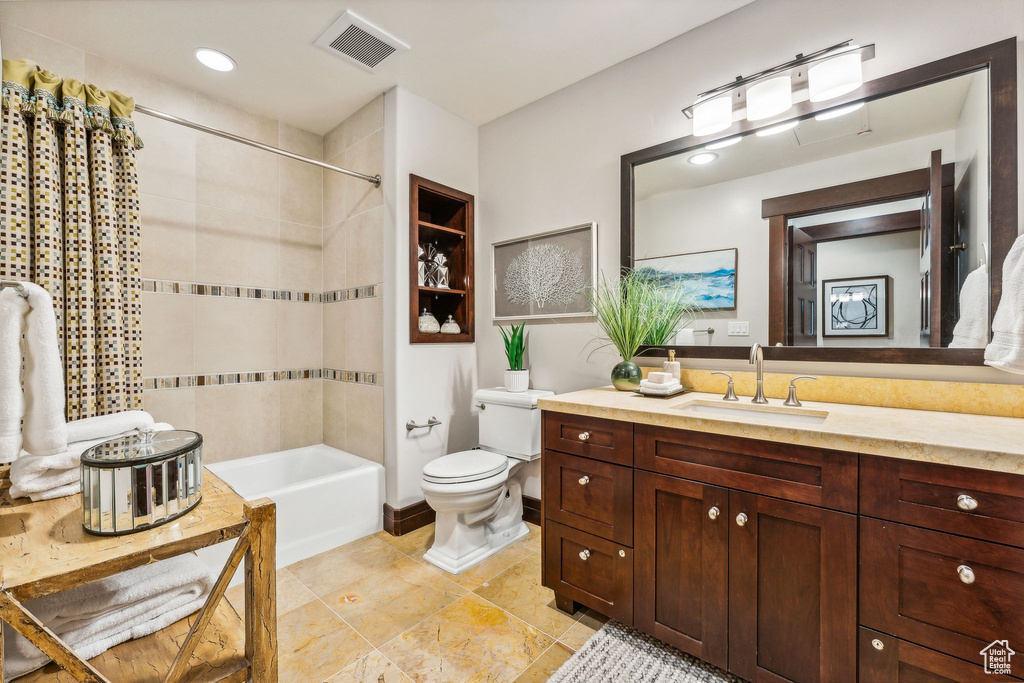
(373, 610)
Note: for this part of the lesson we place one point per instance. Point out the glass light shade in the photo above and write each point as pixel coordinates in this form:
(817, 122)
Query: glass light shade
(836, 113)
(769, 97)
(712, 116)
(834, 77)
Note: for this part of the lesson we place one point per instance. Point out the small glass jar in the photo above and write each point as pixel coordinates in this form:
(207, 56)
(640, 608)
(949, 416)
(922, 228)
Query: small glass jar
(141, 481)
(450, 326)
(428, 323)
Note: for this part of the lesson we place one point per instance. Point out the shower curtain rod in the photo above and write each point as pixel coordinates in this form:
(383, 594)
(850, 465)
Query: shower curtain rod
(373, 180)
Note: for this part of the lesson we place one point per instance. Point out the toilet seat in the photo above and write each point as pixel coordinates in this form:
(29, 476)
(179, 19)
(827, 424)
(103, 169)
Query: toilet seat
(464, 466)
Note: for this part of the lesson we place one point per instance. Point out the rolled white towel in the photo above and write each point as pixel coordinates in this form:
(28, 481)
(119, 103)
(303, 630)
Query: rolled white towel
(13, 308)
(971, 330)
(108, 425)
(95, 617)
(44, 477)
(1006, 350)
(44, 431)
(659, 377)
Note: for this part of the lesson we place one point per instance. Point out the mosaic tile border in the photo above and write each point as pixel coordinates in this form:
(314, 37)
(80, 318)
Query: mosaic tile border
(185, 381)
(233, 291)
(364, 292)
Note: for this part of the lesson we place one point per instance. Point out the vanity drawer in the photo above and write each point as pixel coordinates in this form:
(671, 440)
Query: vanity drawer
(949, 593)
(589, 437)
(797, 473)
(901, 662)
(590, 495)
(590, 570)
(929, 495)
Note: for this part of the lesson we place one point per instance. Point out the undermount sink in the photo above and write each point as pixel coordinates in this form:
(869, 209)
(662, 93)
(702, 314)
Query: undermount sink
(734, 411)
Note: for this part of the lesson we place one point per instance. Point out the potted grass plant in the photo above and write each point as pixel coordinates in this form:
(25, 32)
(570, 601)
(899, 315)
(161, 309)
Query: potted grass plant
(516, 377)
(631, 312)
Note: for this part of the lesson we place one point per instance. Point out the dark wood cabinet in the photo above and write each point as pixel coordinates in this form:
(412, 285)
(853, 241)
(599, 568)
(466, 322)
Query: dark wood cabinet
(590, 495)
(589, 570)
(885, 659)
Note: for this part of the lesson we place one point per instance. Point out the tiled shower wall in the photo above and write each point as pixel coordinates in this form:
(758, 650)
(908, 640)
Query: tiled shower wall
(245, 358)
(353, 260)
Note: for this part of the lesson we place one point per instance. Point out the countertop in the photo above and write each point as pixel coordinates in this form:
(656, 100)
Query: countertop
(978, 441)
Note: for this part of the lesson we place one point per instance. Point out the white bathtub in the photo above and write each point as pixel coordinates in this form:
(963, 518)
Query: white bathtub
(325, 498)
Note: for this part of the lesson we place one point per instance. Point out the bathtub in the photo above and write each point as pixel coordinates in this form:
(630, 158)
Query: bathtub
(325, 498)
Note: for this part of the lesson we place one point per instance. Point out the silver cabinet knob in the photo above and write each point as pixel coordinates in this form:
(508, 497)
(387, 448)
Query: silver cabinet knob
(584, 436)
(584, 555)
(622, 553)
(877, 644)
(965, 502)
(584, 480)
(966, 573)
(741, 519)
(713, 513)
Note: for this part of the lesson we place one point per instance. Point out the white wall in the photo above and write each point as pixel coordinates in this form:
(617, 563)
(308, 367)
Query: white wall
(555, 162)
(423, 380)
(972, 148)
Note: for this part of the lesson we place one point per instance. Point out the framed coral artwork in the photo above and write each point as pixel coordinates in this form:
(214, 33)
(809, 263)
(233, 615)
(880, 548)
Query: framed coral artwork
(548, 275)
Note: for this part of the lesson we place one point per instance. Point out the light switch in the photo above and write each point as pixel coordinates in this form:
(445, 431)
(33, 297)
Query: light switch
(739, 329)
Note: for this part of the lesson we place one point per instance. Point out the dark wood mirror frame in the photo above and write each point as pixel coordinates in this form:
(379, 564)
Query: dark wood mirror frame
(1001, 61)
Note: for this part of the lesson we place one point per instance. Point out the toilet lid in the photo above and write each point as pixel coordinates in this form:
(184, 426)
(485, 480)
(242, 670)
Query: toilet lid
(464, 466)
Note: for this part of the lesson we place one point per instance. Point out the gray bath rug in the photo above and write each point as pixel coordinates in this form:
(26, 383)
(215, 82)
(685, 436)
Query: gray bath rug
(618, 653)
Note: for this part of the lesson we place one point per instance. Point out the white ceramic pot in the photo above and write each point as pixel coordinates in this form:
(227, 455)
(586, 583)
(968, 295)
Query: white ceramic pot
(517, 380)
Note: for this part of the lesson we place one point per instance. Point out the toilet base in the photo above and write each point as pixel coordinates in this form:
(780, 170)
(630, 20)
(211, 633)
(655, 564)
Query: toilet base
(495, 542)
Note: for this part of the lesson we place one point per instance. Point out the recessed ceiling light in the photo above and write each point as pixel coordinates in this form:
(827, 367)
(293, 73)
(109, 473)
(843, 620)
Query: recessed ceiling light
(777, 129)
(721, 144)
(702, 158)
(836, 113)
(214, 59)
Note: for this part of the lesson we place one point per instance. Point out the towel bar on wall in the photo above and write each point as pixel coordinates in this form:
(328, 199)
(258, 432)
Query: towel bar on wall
(432, 422)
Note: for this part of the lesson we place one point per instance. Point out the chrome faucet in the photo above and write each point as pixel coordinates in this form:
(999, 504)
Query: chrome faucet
(757, 358)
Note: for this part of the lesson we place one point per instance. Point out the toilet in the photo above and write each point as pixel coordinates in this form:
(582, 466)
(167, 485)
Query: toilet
(478, 494)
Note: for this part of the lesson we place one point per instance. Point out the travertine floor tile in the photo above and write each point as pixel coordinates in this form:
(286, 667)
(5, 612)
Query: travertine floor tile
(314, 643)
(470, 639)
(489, 568)
(546, 665)
(518, 590)
(373, 668)
(331, 570)
(383, 604)
(414, 543)
(291, 593)
(581, 631)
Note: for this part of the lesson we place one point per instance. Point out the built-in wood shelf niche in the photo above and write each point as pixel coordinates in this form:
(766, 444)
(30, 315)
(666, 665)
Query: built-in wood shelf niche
(443, 217)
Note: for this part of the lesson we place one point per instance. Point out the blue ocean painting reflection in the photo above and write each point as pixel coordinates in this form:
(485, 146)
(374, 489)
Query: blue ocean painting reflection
(709, 276)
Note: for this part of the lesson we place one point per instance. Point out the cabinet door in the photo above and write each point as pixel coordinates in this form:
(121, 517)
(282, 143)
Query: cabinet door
(682, 562)
(889, 659)
(792, 591)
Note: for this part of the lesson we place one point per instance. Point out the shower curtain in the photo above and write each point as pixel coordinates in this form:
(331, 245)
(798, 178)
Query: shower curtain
(69, 221)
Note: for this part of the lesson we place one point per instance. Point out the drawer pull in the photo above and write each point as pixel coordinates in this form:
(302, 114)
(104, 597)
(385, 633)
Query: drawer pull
(966, 573)
(622, 553)
(877, 644)
(584, 480)
(965, 502)
(713, 513)
(741, 519)
(584, 436)
(584, 555)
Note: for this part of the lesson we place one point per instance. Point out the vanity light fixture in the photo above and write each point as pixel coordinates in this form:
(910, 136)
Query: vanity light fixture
(712, 116)
(774, 130)
(834, 77)
(722, 144)
(214, 59)
(702, 158)
(836, 113)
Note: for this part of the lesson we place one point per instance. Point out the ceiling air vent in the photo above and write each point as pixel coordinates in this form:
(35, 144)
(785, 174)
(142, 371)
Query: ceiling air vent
(356, 40)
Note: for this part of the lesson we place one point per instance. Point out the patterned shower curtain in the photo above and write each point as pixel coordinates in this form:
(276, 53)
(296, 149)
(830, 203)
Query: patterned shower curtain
(69, 221)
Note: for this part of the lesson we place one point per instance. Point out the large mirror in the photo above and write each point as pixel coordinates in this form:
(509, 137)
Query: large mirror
(870, 231)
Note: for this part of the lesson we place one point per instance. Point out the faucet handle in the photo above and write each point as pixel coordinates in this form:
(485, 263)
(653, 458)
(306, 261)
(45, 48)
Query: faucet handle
(730, 392)
(793, 400)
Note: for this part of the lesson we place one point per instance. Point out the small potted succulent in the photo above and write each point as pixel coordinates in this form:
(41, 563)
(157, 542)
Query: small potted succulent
(516, 378)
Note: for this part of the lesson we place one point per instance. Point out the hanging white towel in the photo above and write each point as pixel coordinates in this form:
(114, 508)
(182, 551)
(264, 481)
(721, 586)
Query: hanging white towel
(44, 431)
(13, 307)
(43, 477)
(95, 617)
(1006, 350)
(971, 331)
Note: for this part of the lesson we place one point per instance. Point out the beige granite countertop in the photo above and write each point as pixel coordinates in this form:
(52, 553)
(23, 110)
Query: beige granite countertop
(979, 441)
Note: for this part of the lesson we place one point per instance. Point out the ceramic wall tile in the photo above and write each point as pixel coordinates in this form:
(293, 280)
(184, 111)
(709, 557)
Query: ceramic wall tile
(301, 192)
(176, 407)
(335, 330)
(61, 59)
(148, 90)
(301, 413)
(334, 413)
(335, 257)
(369, 119)
(334, 193)
(168, 334)
(237, 177)
(216, 113)
(300, 141)
(167, 166)
(364, 248)
(240, 420)
(364, 421)
(300, 335)
(365, 156)
(300, 257)
(334, 142)
(168, 238)
(236, 248)
(235, 334)
(364, 334)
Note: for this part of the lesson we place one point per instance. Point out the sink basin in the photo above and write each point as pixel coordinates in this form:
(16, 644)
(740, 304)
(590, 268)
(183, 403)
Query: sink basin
(750, 412)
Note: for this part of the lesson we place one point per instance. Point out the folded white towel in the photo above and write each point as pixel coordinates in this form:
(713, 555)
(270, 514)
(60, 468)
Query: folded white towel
(666, 388)
(971, 331)
(106, 425)
(1006, 350)
(13, 308)
(95, 617)
(659, 377)
(44, 430)
(43, 477)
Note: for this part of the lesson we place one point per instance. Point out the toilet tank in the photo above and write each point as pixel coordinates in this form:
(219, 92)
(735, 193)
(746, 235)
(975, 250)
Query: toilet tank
(510, 421)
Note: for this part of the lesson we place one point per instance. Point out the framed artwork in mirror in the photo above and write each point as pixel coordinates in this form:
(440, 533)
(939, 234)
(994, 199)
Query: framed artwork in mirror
(857, 307)
(708, 276)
